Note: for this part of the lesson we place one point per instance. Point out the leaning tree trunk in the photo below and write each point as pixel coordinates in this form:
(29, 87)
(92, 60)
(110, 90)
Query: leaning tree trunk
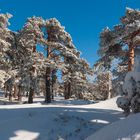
(67, 85)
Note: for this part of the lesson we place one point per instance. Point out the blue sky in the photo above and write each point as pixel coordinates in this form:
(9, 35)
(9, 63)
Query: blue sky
(83, 19)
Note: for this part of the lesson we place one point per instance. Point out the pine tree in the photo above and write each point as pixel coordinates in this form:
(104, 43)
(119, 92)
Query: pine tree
(113, 43)
(29, 64)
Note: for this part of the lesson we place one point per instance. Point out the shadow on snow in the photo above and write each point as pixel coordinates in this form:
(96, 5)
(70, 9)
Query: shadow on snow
(52, 123)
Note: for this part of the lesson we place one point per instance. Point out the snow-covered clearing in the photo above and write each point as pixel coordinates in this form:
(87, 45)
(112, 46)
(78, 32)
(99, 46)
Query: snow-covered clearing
(68, 120)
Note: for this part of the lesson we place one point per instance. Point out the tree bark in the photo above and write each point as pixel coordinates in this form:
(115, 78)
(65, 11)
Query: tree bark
(67, 92)
(110, 85)
(19, 93)
(69, 89)
(53, 81)
(30, 97)
(5, 90)
(48, 79)
(10, 95)
(48, 86)
(15, 91)
(31, 92)
(131, 57)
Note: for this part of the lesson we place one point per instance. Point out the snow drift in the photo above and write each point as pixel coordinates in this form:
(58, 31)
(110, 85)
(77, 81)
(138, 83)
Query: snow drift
(127, 129)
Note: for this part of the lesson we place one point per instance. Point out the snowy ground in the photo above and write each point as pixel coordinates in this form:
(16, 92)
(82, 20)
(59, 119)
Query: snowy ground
(60, 120)
(126, 129)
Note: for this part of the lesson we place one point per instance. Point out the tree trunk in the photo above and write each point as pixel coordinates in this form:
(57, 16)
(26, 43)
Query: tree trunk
(30, 97)
(10, 91)
(48, 80)
(67, 92)
(15, 91)
(53, 81)
(19, 93)
(31, 92)
(131, 57)
(5, 90)
(10, 95)
(109, 85)
(69, 89)
(48, 86)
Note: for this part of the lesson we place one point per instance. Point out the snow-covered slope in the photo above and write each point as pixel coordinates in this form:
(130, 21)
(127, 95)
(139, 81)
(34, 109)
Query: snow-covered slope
(107, 104)
(127, 129)
(60, 120)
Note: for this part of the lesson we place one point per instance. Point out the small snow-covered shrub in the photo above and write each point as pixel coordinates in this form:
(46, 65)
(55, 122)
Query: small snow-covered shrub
(124, 103)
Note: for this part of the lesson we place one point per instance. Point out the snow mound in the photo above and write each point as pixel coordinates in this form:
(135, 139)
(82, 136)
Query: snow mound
(127, 129)
(107, 104)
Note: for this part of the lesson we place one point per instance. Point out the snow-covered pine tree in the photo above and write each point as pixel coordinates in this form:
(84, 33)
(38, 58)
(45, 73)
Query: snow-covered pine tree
(29, 64)
(127, 33)
(5, 40)
(61, 41)
(27, 40)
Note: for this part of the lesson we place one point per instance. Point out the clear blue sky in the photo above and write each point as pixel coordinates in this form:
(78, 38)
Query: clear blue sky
(83, 19)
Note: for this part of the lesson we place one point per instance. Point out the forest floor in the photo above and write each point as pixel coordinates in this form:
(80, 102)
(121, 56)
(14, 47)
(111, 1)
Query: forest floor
(59, 120)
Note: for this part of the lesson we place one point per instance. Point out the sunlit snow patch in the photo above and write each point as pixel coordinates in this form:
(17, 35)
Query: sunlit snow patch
(25, 135)
(99, 121)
